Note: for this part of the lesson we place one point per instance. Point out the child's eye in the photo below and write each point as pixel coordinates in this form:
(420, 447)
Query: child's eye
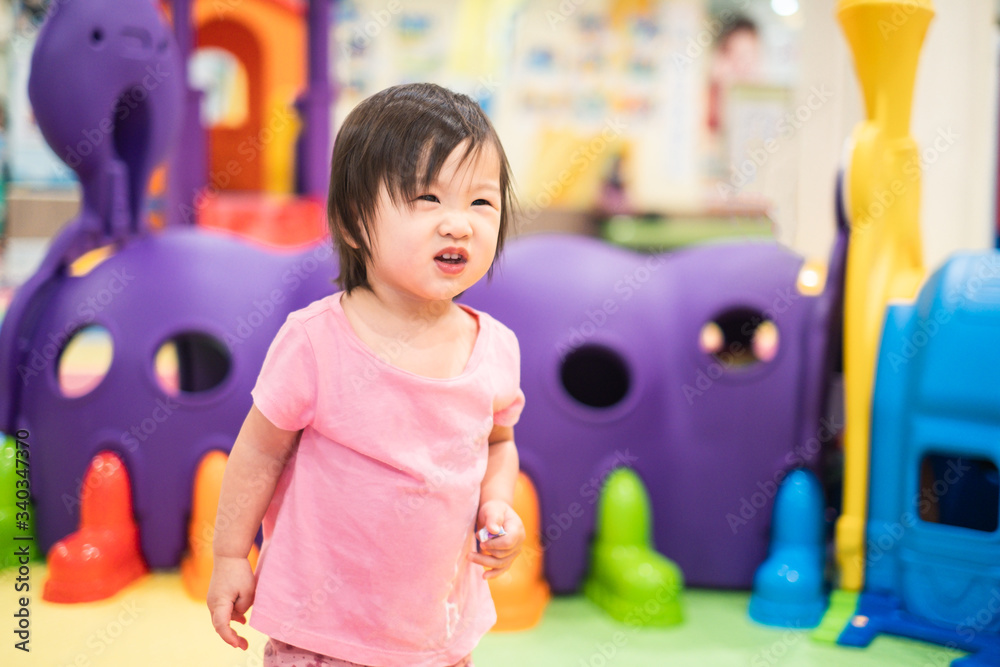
(430, 198)
(482, 202)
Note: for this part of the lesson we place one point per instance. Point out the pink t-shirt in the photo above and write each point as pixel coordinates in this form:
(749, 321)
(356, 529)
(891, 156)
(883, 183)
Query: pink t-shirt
(365, 539)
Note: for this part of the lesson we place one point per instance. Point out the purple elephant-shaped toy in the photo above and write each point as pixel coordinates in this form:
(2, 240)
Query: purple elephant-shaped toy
(118, 463)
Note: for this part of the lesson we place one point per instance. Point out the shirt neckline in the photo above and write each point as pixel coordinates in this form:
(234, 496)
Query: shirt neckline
(470, 366)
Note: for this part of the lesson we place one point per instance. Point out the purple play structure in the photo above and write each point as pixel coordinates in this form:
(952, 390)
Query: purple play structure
(612, 368)
(106, 86)
(613, 375)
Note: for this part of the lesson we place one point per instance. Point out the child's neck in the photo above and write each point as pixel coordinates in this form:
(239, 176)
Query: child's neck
(390, 316)
(438, 346)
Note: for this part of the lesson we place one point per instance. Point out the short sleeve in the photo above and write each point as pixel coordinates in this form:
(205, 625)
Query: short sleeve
(509, 415)
(285, 392)
(511, 396)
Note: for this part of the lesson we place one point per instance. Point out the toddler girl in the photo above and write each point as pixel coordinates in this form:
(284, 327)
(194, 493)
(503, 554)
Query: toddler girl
(380, 436)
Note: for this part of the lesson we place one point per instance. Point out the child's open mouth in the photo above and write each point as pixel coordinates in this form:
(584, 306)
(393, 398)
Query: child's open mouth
(451, 262)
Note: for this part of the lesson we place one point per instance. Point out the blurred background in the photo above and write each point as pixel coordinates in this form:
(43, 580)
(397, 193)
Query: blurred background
(653, 123)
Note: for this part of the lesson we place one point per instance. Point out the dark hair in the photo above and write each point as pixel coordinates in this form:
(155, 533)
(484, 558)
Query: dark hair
(400, 138)
(733, 26)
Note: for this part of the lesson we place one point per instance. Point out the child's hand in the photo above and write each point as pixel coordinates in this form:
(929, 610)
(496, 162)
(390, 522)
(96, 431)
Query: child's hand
(230, 594)
(498, 554)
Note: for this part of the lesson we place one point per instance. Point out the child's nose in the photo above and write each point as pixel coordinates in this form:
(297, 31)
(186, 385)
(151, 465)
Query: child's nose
(455, 224)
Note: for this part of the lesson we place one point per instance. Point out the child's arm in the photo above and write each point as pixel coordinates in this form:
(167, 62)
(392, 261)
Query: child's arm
(495, 512)
(255, 463)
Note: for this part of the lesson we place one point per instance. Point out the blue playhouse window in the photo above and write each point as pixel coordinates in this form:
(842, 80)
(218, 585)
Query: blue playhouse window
(959, 491)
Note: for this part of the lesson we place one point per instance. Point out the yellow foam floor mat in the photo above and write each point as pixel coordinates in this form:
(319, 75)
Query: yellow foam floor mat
(153, 622)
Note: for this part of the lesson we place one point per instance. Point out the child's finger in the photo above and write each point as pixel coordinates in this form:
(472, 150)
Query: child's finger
(221, 617)
(485, 560)
(492, 562)
(496, 572)
(243, 602)
(499, 553)
(499, 543)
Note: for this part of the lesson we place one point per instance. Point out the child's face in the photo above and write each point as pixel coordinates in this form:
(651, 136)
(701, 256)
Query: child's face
(459, 213)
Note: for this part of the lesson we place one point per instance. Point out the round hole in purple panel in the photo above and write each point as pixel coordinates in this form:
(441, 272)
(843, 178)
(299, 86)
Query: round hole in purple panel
(739, 338)
(83, 361)
(191, 362)
(595, 375)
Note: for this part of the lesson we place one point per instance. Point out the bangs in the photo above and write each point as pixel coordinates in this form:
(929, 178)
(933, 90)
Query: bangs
(399, 139)
(421, 163)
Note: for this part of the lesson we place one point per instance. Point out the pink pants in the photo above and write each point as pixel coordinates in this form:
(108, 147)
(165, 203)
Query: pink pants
(280, 654)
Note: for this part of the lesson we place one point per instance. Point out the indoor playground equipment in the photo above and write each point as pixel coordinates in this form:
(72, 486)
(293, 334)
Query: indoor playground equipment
(266, 174)
(789, 588)
(676, 400)
(918, 546)
(258, 36)
(932, 568)
(616, 377)
(654, 376)
(122, 459)
(882, 202)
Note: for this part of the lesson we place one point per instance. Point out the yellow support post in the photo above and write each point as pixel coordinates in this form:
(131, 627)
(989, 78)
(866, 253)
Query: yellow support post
(884, 257)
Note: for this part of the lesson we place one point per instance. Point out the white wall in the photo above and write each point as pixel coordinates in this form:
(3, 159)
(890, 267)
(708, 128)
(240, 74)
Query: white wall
(956, 88)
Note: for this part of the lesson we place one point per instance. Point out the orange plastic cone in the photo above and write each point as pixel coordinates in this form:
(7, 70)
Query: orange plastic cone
(521, 594)
(196, 567)
(103, 555)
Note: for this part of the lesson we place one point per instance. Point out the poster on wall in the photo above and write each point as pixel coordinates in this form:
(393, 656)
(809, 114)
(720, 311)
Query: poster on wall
(462, 45)
(600, 107)
(32, 162)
